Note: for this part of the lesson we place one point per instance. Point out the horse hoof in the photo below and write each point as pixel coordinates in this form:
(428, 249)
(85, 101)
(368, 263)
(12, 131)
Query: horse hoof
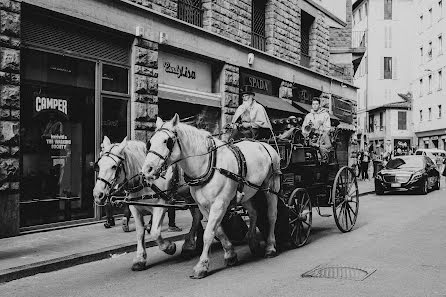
(231, 261)
(270, 254)
(171, 249)
(139, 266)
(199, 274)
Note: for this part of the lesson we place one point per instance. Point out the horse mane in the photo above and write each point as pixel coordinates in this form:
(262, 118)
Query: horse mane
(192, 136)
(134, 155)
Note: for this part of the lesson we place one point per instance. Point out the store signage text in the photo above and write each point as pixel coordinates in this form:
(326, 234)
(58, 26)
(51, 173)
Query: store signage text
(58, 142)
(43, 103)
(179, 71)
(259, 84)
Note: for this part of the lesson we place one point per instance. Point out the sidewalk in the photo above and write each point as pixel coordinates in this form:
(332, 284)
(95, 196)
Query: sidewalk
(29, 254)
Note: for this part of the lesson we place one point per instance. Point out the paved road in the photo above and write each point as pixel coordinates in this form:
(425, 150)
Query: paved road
(401, 236)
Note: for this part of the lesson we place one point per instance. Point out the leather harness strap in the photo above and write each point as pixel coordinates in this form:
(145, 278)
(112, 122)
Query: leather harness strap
(203, 179)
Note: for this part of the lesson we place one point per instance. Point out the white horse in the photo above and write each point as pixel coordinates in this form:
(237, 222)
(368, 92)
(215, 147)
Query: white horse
(177, 142)
(123, 160)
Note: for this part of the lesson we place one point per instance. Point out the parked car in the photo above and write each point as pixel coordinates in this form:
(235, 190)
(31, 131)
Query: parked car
(416, 172)
(436, 155)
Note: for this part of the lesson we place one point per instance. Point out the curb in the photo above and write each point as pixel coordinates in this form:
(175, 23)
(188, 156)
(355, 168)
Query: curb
(10, 274)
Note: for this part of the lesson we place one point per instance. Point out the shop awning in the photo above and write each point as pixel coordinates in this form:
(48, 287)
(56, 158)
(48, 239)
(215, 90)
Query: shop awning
(188, 96)
(276, 103)
(346, 126)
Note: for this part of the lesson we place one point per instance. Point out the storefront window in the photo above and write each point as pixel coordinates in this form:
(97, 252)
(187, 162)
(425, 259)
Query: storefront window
(115, 79)
(114, 119)
(200, 116)
(57, 138)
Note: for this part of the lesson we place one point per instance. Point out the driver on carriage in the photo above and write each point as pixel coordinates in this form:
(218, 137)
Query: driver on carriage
(250, 119)
(316, 128)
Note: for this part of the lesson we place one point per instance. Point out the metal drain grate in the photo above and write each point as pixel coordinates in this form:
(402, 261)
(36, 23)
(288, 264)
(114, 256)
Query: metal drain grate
(340, 272)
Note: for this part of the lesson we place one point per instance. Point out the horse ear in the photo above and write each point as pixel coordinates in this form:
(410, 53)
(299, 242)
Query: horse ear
(106, 142)
(175, 120)
(123, 144)
(159, 122)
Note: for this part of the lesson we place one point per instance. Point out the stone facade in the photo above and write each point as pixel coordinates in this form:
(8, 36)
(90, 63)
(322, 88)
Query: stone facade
(146, 88)
(282, 18)
(319, 47)
(9, 116)
(230, 92)
(167, 7)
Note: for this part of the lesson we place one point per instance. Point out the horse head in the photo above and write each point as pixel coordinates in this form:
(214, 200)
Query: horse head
(109, 167)
(163, 148)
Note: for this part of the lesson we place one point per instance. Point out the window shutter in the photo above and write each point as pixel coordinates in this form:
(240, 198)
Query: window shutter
(381, 64)
(394, 68)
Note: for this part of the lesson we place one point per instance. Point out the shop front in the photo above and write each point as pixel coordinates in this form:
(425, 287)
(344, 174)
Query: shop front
(188, 86)
(266, 89)
(74, 90)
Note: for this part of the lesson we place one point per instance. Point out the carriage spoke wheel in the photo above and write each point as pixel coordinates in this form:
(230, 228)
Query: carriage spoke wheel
(345, 199)
(300, 216)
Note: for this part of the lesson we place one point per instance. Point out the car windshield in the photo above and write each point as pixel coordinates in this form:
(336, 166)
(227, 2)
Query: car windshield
(404, 163)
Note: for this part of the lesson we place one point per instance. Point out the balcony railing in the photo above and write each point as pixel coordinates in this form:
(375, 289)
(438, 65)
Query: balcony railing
(191, 12)
(258, 41)
(359, 39)
(305, 60)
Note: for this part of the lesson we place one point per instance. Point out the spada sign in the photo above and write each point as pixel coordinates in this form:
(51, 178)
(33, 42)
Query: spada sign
(44, 103)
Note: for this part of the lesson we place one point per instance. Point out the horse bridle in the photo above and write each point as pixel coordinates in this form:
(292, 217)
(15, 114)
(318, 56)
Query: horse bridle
(119, 166)
(170, 143)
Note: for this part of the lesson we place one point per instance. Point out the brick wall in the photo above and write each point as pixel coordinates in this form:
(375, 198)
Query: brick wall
(146, 88)
(9, 116)
(342, 37)
(319, 47)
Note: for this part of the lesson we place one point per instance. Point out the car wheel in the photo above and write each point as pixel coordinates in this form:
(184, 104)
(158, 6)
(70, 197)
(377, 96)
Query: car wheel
(379, 190)
(437, 184)
(425, 187)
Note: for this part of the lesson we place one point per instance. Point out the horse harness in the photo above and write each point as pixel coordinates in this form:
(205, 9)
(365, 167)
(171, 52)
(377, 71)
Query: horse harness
(119, 167)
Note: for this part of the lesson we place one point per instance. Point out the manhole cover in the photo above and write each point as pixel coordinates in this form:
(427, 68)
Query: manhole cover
(340, 272)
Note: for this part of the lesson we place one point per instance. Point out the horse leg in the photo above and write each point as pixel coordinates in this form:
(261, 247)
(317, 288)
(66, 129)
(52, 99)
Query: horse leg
(252, 242)
(192, 246)
(157, 220)
(270, 250)
(230, 255)
(139, 262)
(126, 219)
(216, 213)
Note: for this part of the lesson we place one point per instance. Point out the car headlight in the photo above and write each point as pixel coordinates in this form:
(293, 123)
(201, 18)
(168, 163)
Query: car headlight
(417, 175)
(379, 177)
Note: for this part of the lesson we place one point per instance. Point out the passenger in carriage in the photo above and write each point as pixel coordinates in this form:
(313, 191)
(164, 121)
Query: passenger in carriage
(250, 119)
(316, 128)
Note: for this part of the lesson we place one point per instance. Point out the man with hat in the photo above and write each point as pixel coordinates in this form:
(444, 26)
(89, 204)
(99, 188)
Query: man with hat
(250, 119)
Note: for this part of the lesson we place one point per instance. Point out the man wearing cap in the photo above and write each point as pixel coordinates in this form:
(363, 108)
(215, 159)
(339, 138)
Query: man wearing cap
(250, 119)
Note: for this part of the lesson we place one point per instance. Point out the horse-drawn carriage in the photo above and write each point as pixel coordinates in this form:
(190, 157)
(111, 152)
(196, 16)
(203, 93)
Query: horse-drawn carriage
(290, 176)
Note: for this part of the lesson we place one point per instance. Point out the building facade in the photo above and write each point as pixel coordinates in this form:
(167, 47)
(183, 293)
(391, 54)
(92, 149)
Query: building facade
(75, 71)
(428, 81)
(385, 69)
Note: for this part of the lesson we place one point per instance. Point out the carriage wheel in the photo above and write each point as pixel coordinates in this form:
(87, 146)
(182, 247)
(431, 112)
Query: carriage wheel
(345, 199)
(300, 216)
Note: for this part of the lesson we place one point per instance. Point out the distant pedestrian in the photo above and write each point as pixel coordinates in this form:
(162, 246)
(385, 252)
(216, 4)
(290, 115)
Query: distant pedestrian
(359, 160)
(444, 169)
(365, 165)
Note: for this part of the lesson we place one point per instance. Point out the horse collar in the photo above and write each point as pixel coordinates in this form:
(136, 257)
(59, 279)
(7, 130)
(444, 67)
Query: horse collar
(203, 179)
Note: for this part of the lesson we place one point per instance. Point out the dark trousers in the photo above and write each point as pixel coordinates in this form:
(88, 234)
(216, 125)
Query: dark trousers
(171, 215)
(252, 133)
(365, 170)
